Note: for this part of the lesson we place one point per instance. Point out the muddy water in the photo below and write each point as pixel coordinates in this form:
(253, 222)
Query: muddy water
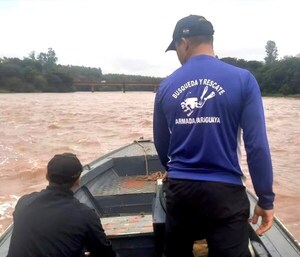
(34, 127)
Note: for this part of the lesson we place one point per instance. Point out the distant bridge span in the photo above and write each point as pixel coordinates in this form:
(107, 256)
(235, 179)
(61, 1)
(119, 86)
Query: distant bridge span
(122, 85)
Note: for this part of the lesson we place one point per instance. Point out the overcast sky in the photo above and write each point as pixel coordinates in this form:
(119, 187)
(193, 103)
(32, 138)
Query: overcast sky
(130, 36)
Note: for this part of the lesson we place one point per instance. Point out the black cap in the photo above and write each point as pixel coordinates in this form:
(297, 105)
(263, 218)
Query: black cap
(64, 168)
(190, 26)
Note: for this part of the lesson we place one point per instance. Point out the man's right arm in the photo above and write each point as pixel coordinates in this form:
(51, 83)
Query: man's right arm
(256, 145)
(267, 217)
(258, 155)
(97, 242)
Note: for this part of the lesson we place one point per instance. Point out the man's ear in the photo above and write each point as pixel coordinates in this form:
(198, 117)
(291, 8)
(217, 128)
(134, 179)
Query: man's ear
(77, 182)
(75, 185)
(186, 43)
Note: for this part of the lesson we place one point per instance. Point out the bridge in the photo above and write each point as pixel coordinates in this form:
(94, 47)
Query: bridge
(132, 86)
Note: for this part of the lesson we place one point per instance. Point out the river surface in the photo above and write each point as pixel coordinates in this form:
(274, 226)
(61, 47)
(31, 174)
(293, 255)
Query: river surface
(36, 126)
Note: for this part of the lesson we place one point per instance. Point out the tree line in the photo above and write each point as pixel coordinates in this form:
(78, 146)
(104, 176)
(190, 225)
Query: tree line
(41, 73)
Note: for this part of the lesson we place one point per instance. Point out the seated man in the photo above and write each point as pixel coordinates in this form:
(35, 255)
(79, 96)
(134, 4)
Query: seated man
(53, 222)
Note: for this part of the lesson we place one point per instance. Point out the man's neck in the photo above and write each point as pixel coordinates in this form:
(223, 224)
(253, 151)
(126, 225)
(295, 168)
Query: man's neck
(203, 49)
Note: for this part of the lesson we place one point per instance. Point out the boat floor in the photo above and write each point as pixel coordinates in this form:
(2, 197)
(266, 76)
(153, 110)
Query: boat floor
(139, 225)
(126, 185)
(131, 225)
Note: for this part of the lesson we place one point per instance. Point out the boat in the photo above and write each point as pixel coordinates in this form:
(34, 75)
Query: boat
(124, 187)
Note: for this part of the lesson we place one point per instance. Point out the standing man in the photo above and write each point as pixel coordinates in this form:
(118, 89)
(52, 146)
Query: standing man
(53, 222)
(199, 113)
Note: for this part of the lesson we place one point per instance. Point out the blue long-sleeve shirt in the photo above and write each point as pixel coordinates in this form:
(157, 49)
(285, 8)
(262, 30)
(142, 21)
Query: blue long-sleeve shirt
(201, 110)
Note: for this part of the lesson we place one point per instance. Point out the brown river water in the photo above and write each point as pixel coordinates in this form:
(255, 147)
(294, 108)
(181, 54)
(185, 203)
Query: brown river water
(36, 126)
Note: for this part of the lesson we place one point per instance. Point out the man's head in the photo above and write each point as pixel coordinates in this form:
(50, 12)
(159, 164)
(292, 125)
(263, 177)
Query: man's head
(191, 26)
(64, 169)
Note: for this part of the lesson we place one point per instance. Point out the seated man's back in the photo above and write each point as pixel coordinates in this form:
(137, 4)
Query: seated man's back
(54, 223)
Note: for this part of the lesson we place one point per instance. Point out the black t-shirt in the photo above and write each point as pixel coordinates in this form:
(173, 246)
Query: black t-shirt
(54, 223)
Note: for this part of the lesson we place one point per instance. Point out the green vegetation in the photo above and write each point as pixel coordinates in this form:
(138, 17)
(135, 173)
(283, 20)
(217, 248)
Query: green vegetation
(275, 77)
(41, 73)
(279, 78)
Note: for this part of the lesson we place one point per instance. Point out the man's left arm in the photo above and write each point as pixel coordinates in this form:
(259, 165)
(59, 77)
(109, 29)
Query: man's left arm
(161, 132)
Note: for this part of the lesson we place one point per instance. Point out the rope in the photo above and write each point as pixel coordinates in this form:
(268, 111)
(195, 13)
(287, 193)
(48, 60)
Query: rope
(145, 155)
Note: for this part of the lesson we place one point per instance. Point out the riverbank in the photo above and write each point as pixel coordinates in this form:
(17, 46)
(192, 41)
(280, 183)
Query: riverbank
(132, 90)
